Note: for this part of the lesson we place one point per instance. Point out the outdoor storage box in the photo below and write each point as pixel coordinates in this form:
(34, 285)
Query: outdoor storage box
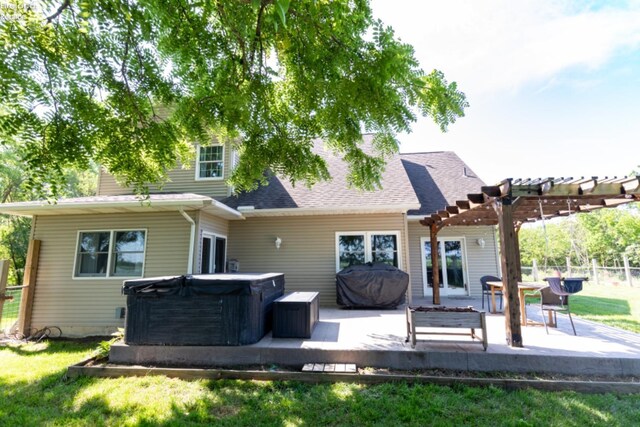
(206, 309)
(295, 315)
(371, 286)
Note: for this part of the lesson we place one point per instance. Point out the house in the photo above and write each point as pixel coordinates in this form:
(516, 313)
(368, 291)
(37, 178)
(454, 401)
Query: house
(88, 246)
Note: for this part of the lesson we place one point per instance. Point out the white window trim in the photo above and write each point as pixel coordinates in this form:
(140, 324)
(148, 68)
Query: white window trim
(197, 168)
(367, 245)
(213, 236)
(108, 276)
(425, 285)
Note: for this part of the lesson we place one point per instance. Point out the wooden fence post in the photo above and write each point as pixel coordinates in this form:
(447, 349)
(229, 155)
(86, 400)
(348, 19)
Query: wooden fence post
(627, 270)
(594, 264)
(29, 282)
(534, 270)
(4, 274)
(568, 260)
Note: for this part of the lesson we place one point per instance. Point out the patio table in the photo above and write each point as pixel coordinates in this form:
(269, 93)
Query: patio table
(522, 288)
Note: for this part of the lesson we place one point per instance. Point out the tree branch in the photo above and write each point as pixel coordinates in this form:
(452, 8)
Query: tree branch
(65, 4)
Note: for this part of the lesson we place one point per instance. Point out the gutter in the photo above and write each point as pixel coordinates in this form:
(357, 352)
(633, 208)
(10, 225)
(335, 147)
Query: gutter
(192, 240)
(252, 212)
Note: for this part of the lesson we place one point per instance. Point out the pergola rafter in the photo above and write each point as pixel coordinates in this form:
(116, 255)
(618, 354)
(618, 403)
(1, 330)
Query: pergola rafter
(514, 202)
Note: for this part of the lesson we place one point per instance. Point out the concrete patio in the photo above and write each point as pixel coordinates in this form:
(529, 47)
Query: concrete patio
(376, 338)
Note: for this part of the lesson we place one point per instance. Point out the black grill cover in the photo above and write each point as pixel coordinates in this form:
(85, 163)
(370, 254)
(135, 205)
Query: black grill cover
(371, 286)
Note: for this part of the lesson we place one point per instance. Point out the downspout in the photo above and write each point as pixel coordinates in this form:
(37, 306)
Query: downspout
(192, 240)
(407, 265)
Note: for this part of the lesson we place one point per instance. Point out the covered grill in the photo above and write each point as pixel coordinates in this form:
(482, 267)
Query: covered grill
(371, 286)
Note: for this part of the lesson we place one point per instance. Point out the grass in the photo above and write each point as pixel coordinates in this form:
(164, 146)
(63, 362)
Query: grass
(617, 306)
(10, 309)
(33, 392)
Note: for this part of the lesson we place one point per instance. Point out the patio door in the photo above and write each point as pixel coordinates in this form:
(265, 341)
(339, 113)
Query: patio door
(213, 256)
(452, 263)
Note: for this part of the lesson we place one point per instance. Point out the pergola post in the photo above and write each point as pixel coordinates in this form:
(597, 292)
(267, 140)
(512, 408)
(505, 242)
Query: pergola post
(509, 260)
(435, 267)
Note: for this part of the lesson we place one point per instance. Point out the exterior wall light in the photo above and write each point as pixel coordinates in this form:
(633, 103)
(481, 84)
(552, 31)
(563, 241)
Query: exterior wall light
(278, 242)
(481, 242)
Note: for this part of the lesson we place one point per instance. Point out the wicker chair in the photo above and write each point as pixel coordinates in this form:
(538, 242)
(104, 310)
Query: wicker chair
(553, 299)
(486, 290)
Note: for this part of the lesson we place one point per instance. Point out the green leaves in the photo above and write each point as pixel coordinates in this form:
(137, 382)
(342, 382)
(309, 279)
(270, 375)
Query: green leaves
(132, 85)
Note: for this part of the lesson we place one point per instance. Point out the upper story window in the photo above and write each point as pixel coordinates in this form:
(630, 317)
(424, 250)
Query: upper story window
(354, 248)
(110, 253)
(210, 162)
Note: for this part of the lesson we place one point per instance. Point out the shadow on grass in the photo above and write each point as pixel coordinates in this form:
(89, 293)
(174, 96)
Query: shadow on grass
(49, 346)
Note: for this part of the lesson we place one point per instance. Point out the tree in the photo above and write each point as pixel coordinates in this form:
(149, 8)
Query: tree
(14, 231)
(131, 84)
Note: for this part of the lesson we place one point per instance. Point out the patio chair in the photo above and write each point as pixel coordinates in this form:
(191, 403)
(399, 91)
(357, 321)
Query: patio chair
(553, 299)
(486, 290)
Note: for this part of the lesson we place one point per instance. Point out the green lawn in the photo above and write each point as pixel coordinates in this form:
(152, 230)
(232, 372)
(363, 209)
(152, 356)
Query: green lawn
(33, 392)
(612, 305)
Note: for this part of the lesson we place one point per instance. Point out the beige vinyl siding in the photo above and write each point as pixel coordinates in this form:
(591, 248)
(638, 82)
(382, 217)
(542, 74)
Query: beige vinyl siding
(88, 306)
(480, 261)
(307, 256)
(207, 223)
(180, 181)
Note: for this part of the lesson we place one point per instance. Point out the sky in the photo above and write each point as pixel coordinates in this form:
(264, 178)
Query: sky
(553, 86)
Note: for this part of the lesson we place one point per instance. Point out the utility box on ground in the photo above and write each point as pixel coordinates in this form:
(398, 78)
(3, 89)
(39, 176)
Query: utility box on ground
(295, 315)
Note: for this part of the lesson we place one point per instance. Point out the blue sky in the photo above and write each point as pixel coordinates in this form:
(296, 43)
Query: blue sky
(554, 86)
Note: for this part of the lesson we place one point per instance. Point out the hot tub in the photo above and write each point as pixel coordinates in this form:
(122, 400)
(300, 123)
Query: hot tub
(205, 309)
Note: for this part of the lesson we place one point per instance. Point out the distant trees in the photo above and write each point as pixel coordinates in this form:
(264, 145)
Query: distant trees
(14, 230)
(606, 235)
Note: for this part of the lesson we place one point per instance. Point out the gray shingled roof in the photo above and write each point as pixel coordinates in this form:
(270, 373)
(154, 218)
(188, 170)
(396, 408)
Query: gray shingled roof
(396, 189)
(439, 179)
(434, 180)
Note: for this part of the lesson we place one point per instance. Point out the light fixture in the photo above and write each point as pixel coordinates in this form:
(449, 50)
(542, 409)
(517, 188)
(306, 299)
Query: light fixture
(278, 242)
(481, 242)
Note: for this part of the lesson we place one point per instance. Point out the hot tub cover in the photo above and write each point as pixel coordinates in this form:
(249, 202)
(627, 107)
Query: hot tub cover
(371, 286)
(199, 284)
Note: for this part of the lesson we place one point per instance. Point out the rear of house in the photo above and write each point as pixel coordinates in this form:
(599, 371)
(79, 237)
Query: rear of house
(194, 224)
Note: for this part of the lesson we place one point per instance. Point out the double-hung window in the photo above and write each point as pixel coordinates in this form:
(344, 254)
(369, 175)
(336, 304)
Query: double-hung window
(210, 162)
(354, 248)
(110, 253)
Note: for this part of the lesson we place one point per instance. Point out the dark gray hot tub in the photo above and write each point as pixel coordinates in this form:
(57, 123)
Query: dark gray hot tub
(205, 309)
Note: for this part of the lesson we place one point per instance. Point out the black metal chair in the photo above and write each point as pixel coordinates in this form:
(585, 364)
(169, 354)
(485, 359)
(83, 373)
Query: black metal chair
(553, 299)
(486, 290)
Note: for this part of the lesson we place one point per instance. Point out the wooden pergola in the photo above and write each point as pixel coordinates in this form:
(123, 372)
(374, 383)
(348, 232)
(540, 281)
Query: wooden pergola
(514, 202)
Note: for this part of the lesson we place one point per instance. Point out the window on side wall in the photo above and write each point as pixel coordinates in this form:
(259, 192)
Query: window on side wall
(110, 253)
(355, 248)
(210, 162)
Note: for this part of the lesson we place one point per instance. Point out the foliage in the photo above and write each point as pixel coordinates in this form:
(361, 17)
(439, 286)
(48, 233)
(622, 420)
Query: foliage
(606, 235)
(102, 350)
(33, 392)
(15, 231)
(131, 84)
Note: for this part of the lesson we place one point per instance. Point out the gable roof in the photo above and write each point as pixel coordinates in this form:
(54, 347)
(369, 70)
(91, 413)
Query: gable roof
(334, 195)
(415, 183)
(438, 180)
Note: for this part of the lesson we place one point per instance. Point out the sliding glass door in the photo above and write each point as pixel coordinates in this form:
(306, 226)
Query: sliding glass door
(452, 263)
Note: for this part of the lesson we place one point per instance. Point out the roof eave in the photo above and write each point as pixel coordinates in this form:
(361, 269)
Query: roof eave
(398, 208)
